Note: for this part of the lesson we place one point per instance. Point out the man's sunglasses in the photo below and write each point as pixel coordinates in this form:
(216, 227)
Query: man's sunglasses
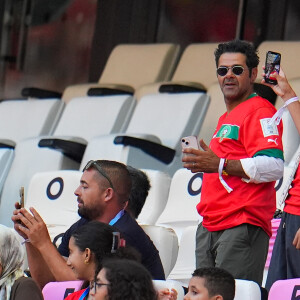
(93, 163)
(236, 70)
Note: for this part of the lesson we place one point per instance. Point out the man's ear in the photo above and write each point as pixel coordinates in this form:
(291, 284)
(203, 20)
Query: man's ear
(108, 194)
(253, 75)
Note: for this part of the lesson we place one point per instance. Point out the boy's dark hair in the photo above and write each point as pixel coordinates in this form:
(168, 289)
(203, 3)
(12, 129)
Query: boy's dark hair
(217, 281)
(139, 191)
(239, 46)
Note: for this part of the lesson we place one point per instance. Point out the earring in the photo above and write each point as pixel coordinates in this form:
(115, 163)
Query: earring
(86, 261)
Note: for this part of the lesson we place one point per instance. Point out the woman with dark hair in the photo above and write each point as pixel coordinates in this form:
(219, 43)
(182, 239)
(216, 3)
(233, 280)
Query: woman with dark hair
(89, 245)
(123, 279)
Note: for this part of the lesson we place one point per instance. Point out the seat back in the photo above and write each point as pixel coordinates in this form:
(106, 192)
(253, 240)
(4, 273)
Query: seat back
(59, 290)
(166, 242)
(215, 110)
(169, 117)
(132, 66)
(275, 224)
(21, 119)
(289, 56)
(169, 284)
(52, 195)
(157, 197)
(285, 289)
(87, 117)
(247, 290)
(139, 64)
(184, 195)
(186, 260)
(197, 64)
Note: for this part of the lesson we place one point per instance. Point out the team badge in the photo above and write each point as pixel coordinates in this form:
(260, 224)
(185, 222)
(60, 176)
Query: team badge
(268, 129)
(228, 131)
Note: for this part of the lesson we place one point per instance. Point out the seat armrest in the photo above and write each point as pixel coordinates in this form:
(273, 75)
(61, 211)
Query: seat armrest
(7, 144)
(182, 87)
(110, 89)
(39, 93)
(160, 152)
(73, 149)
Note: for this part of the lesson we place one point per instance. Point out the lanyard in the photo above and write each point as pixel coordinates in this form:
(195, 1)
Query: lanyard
(85, 293)
(116, 218)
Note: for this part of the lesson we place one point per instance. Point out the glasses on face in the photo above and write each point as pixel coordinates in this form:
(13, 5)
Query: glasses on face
(96, 285)
(93, 163)
(236, 70)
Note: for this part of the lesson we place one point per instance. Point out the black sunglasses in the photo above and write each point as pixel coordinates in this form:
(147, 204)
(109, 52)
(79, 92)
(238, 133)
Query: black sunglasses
(93, 163)
(236, 70)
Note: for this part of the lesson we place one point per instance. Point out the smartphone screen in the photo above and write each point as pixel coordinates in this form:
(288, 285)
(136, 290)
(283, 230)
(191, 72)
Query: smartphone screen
(272, 65)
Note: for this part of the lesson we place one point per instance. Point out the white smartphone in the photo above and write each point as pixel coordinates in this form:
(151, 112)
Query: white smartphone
(189, 142)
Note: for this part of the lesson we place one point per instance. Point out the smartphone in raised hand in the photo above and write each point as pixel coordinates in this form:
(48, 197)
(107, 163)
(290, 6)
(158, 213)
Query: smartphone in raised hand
(272, 65)
(21, 202)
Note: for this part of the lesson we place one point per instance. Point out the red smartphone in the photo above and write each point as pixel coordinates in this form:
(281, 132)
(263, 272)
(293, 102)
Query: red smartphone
(272, 65)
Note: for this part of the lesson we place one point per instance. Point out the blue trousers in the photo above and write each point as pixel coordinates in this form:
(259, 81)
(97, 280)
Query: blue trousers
(285, 261)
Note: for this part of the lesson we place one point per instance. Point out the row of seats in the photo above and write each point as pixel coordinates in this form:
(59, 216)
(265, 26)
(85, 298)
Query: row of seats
(245, 290)
(147, 135)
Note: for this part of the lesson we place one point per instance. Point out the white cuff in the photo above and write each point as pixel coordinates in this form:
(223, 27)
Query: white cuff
(262, 169)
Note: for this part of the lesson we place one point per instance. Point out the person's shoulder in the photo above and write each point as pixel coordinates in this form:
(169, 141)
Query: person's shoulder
(131, 229)
(25, 286)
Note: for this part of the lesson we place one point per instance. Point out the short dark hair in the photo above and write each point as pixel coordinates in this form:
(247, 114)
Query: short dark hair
(239, 46)
(217, 281)
(128, 280)
(139, 191)
(119, 176)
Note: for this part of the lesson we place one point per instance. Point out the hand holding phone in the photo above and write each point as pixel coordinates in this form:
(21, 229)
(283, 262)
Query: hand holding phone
(272, 65)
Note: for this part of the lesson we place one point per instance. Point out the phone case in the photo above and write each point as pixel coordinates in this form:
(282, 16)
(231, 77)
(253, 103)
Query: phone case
(272, 65)
(190, 142)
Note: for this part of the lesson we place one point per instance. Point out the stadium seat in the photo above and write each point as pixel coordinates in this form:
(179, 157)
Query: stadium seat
(131, 66)
(186, 260)
(60, 289)
(82, 119)
(166, 242)
(52, 195)
(169, 284)
(157, 197)
(22, 119)
(215, 110)
(285, 289)
(153, 137)
(247, 290)
(289, 56)
(184, 195)
(189, 72)
(275, 224)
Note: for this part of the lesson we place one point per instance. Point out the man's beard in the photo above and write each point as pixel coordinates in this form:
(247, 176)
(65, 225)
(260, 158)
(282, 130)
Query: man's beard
(89, 213)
